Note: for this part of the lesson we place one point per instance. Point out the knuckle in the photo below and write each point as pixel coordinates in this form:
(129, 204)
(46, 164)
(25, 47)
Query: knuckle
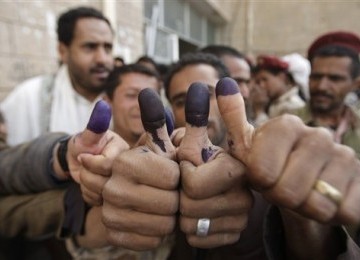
(285, 196)
(286, 120)
(345, 153)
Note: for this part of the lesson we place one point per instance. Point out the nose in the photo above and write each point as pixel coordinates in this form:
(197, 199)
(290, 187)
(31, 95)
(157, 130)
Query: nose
(244, 90)
(102, 56)
(323, 83)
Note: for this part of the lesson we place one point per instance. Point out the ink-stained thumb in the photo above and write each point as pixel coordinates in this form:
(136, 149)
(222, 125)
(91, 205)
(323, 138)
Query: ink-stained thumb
(154, 121)
(232, 109)
(196, 146)
(170, 121)
(98, 124)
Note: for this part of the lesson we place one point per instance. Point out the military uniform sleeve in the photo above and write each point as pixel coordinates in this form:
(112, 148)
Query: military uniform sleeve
(27, 168)
(59, 213)
(33, 216)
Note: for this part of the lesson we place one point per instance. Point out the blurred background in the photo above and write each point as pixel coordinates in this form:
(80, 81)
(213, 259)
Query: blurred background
(166, 29)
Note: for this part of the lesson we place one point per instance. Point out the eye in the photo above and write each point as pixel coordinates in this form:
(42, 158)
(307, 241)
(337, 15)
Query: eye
(108, 47)
(179, 103)
(131, 95)
(315, 77)
(90, 46)
(336, 78)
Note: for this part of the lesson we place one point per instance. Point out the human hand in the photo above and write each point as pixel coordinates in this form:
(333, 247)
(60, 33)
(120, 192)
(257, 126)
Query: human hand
(95, 232)
(213, 191)
(91, 154)
(289, 162)
(141, 196)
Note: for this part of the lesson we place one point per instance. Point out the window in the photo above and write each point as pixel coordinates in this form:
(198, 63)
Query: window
(175, 18)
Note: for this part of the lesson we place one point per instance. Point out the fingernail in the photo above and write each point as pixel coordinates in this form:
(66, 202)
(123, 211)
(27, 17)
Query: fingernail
(226, 86)
(152, 110)
(197, 105)
(152, 114)
(169, 118)
(100, 118)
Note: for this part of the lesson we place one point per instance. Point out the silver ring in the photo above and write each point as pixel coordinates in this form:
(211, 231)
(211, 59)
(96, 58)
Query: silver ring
(203, 226)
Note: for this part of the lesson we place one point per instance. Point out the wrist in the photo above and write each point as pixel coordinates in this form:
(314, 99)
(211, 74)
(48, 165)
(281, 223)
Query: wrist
(60, 162)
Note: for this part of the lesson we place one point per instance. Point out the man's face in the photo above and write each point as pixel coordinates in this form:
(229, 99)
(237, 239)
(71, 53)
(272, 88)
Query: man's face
(274, 85)
(330, 81)
(178, 88)
(89, 55)
(125, 106)
(240, 71)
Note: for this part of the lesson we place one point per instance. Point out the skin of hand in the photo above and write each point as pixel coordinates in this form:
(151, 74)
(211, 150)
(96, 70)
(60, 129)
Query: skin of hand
(212, 182)
(95, 232)
(141, 197)
(285, 158)
(91, 154)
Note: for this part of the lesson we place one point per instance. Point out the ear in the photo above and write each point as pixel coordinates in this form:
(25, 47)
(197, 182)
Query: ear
(356, 84)
(63, 52)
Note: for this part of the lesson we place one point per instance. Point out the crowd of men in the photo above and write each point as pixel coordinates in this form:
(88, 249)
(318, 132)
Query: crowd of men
(250, 160)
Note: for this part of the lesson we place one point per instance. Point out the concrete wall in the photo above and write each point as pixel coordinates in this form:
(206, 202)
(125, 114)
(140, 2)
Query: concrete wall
(281, 27)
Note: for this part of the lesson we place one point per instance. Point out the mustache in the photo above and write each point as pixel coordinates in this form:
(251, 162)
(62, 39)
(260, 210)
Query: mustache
(99, 68)
(320, 94)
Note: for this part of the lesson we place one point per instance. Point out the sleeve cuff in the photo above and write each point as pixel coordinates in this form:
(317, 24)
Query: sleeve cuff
(75, 212)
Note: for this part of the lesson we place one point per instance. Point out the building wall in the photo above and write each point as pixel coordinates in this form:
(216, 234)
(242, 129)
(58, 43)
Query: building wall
(281, 27)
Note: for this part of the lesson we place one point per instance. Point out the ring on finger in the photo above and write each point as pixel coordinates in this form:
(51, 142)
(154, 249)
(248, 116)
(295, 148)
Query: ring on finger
(203, 226)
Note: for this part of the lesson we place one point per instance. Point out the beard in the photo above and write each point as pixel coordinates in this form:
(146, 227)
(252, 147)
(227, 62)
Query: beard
(323, 103)
(87, 80)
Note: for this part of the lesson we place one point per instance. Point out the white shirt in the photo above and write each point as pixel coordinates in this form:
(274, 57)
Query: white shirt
(24, 110)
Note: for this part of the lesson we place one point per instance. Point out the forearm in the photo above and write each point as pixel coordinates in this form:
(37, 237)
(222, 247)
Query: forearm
(33, 216)
(28, 167)
(308, 239)
(288, 236)
(60, 213)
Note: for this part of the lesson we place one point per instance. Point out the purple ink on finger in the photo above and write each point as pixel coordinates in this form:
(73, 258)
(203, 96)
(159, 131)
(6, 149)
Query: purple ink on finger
(197, 104)
(152, 114)
(206, 153)
(100, 118)
(169, 118)
(226, 86)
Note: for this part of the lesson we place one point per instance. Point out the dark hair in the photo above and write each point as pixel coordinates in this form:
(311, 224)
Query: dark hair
(221, 50)
(340, 51)
(195, 58)
(114, 79)
(67, 21)
(118, 58)
(147, 59)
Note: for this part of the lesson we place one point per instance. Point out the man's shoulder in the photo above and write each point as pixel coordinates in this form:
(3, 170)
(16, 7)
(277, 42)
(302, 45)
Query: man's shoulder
(302, 112)
(29, 87)
(33, 82)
